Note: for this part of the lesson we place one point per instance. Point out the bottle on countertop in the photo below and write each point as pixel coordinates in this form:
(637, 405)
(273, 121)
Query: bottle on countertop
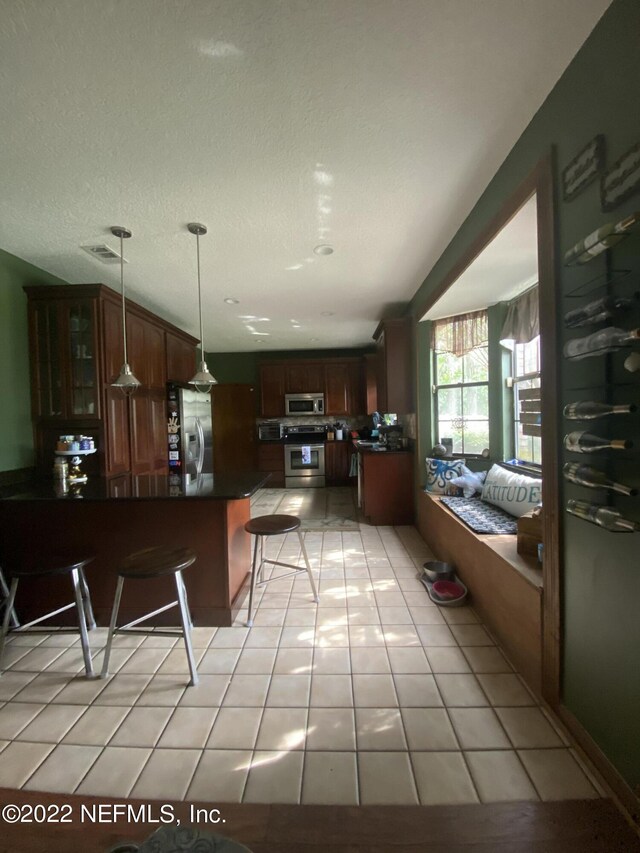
(593, 478)
(601, 239)
(604, 516)
(60, 468)
(589, 410)
(599, 343)
(596, 311)
(585, 442)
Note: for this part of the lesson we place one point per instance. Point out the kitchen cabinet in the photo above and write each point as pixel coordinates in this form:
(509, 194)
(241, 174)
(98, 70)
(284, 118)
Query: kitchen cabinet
(272, 385)
(337, 459)
(371, 383)
(76, 351)
(304, 378)
(386, 486)
(393, 366)
(181, 358)
(271, 460)
(337, 387)
(340, 380)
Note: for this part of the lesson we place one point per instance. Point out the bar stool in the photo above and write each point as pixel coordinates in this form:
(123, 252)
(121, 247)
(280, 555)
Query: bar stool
(153, 563)
(48, 566)
(4, 591)
(274, 525)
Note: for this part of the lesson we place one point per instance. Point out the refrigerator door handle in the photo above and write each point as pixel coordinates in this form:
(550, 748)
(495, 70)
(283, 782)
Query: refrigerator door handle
(200, 463)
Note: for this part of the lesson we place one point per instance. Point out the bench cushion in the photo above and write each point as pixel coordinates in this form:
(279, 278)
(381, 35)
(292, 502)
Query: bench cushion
(480, 516)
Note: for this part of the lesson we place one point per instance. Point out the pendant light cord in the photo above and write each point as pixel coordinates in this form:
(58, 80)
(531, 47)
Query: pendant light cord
(124, 314)
(200, 300)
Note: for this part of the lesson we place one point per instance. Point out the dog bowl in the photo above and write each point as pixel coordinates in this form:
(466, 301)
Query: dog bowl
(448, 590)
(435, 570)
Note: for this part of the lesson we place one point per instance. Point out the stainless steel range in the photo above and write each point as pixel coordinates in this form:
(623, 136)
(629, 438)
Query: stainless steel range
(304, 456)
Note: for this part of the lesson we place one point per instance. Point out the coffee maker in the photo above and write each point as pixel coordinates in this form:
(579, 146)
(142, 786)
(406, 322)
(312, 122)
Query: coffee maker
(391, 436)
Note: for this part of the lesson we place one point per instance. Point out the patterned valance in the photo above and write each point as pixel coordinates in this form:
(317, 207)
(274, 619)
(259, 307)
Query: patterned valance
(460, 334)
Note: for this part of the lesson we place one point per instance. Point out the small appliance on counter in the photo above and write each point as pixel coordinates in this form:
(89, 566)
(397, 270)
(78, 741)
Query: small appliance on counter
(270, 431)
(392, 437)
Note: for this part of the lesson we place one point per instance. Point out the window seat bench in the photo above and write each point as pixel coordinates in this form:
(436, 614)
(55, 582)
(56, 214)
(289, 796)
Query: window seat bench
(505, 587)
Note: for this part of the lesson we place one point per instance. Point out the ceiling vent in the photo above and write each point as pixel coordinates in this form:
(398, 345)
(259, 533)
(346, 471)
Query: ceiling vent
(104, 253)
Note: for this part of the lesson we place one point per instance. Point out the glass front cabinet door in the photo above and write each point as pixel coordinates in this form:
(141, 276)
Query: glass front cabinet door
(64, 380)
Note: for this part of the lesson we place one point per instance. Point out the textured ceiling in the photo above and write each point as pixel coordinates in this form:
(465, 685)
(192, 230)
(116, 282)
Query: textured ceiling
(371, 125)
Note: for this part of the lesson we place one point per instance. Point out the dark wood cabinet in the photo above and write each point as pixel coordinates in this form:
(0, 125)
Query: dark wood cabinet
(386, 487)
(181, 358)
(371, 383)
(337, 389)
(76, 352)
(272, 385)
(393, 366)
(271, 460)
(301, 378)
(340, 380)
(337, 459)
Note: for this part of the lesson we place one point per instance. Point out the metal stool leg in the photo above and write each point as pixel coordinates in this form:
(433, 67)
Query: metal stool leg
(7, 616)
(82, 620)
(184, 589)
(254, 569)
(15, 622)
(112, 627)
(308, 567)
(186, 627)
(86, 598)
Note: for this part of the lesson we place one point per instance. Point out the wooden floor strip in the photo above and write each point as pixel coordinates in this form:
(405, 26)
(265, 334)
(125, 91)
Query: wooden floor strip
(576, 826)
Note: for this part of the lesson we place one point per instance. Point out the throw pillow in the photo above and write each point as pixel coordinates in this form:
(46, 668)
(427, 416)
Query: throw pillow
(440, 472)
(514, 493)
(469, 481)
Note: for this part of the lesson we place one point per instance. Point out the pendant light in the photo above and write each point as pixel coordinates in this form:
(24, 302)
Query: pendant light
(126, 381)
(203, 380)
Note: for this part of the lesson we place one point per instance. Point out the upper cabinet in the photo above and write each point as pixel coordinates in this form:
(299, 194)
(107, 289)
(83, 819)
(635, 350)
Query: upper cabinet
(64, 359)
(272, 385)
(340, 380)
(393, 366)
(76, 351)
(301, 378)
(181, 358)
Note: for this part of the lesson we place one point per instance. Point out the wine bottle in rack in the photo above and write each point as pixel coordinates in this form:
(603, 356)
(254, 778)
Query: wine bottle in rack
(596, 311)
(593, 478)
(604, 516)
(601, 239)
(599, 343)
(585, 442)
(589, 410)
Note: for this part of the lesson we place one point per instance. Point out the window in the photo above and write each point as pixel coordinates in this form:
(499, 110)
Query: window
(461, 391)
(526, 402)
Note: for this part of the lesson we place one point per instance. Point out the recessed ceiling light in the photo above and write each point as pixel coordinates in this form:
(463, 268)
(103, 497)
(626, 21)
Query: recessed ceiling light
(327, 313)
(259, 341)
(314, 340)
(230, 301)
(323, 249)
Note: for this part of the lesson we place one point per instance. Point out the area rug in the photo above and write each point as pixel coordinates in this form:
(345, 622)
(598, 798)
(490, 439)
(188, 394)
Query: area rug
(331, 508)
(480, 516)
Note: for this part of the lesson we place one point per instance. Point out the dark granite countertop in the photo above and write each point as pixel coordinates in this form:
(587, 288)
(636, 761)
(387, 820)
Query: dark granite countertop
(242, 484)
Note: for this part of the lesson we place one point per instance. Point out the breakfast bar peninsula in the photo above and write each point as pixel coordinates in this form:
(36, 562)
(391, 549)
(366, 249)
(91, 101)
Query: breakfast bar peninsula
(95, 519)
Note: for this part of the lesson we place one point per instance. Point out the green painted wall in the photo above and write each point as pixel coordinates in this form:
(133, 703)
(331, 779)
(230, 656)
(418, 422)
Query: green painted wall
(16, 447)
(599, 93)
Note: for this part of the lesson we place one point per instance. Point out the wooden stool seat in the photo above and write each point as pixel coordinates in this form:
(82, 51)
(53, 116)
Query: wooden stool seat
(274, 525)
(154, 563)
(46, 566)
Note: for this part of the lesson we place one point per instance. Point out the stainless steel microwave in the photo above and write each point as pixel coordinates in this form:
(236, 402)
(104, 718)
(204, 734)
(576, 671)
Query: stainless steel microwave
(303, 404)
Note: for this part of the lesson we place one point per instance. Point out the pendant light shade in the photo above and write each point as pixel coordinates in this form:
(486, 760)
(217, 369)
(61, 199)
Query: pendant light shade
(126, 381)
(202, 380)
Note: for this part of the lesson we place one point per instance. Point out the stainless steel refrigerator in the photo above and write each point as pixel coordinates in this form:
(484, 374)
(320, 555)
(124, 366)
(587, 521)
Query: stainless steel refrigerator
(189, 432)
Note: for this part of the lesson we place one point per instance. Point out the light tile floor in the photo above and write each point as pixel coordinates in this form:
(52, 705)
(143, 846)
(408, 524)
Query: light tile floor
(372, 696)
